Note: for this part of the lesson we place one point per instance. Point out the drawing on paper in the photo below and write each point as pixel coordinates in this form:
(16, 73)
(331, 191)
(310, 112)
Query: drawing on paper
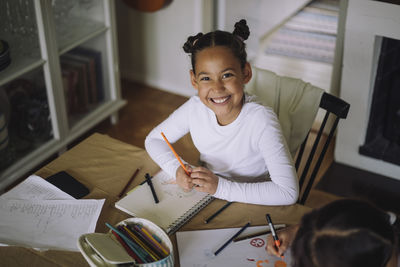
(244, 253)
(171, 188)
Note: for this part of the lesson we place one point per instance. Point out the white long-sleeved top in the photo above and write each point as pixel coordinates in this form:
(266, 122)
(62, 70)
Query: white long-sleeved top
(249, 155)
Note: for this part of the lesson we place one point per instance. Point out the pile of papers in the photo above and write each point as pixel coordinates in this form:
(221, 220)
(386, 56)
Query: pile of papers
(37, 214)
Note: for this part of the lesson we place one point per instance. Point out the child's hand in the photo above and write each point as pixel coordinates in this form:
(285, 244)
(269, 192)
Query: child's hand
(204, 180)
(183, 180)
(286, 236)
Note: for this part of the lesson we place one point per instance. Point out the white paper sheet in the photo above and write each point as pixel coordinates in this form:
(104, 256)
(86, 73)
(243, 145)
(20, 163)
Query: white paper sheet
(35, 187)
(38, 214)
(55, 224)
(196, 249)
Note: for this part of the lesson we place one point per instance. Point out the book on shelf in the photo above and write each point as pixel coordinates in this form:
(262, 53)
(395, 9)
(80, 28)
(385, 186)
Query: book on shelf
(70, 83)
(175, 206)
(81, 89)
(96, 55)
(90, 73)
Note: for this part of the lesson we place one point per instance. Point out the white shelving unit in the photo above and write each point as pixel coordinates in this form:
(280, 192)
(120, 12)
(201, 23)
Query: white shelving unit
(40, 122)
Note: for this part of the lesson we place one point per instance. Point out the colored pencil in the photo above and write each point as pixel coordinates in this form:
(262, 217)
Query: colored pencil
(148, 250)
(217, 212)
(151, 242)
(127, 248)
(130, 243)
(176, 155)
(277, 226)
(231, 239)
(129, 183)
(273, 232)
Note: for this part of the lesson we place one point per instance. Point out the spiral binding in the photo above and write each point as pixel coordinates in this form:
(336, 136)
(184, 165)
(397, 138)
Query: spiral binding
(178, 223)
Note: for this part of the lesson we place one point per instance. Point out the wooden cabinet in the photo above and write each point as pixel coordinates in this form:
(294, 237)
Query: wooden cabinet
(63, 78)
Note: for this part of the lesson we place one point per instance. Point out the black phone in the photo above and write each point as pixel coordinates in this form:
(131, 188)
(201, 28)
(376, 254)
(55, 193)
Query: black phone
(68, 184)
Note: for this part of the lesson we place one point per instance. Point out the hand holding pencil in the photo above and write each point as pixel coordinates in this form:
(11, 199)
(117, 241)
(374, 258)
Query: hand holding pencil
(286, 237)
(182, 174)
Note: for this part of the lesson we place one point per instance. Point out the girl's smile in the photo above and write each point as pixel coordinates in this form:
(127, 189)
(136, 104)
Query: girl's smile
(220, 80)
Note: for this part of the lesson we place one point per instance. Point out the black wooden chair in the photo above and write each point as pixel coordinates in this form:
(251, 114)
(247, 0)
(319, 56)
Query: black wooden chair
(333, 107)
(296, 104)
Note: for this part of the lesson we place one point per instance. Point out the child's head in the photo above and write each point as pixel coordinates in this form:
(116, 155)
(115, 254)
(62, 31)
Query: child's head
(220, 70)
(345, 233)
(234, 41)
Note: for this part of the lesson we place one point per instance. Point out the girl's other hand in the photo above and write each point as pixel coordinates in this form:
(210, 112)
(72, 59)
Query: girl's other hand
(183, 180)
(286, 236)
(204, 180)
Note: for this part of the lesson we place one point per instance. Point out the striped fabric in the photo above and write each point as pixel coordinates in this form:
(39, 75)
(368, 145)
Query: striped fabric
(310, 34)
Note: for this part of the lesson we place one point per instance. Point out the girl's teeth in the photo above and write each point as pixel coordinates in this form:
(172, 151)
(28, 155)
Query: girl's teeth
(220, 100)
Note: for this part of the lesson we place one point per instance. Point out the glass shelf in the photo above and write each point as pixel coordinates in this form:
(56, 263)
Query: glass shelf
(77, 21)
(19, 66)
(19, 30)
(78, 31)
(28, 124)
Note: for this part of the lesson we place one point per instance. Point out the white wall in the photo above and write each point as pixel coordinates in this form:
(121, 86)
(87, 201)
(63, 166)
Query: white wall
(262, 17)
(150, 44)
(366, 20)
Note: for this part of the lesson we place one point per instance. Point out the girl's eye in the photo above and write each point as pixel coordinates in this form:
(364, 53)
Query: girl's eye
(227, 75)
(204, 78)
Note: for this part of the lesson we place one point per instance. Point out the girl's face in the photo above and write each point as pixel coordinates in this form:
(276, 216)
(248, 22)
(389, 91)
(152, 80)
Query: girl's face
(220, 81)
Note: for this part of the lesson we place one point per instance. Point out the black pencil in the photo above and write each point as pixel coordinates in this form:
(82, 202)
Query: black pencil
(148, 180)
(231, 239)
(129, 183)
(265, 232)
(217, 212)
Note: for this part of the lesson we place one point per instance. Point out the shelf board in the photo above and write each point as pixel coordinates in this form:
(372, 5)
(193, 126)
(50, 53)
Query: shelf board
(18, 67)
(37, 156)
(27, 163)
(94, 117)
(78, 32)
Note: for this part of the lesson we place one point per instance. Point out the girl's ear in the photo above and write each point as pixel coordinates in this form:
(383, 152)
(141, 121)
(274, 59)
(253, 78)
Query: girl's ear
(193, 80)
(247, 73)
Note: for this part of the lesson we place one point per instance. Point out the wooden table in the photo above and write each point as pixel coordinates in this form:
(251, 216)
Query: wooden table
(105, 165)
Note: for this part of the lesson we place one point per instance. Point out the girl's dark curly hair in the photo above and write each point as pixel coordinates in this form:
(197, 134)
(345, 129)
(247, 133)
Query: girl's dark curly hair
(344, 233)
(234, 41)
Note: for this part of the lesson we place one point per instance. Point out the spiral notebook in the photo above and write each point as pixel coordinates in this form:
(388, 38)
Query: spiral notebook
(175, 206)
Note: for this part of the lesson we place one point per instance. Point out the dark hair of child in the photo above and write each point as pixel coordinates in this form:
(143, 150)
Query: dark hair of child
(234, 41)
(345, 233)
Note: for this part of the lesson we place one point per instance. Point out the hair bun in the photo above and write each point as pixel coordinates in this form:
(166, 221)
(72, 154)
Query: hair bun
(188, 46)
(241, 30)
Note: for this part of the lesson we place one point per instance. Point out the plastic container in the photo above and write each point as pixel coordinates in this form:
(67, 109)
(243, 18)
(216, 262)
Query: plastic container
(96, 259)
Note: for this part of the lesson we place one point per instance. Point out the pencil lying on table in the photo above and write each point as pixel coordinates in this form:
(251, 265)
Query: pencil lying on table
(231, 239)
(176, 155)
(129, 183)
(265, 232)
(217, 212)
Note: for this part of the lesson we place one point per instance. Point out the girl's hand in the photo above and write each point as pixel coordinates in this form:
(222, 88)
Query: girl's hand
(204, 180)
(286, 236)
(183, 180)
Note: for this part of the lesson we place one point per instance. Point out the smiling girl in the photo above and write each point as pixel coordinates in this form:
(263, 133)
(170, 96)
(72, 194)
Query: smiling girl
(244, 156)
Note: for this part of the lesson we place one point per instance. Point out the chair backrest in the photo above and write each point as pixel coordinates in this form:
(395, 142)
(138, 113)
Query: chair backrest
(333, 107)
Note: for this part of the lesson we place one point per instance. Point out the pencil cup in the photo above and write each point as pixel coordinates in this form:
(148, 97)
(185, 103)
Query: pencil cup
(155, 230)
(107, 249)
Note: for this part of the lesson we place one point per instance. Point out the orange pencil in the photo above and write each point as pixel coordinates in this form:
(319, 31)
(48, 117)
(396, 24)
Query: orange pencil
(176, 155)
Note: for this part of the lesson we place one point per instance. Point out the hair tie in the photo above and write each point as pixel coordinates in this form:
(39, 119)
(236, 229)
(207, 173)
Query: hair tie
(392, 217)
(239, 37)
